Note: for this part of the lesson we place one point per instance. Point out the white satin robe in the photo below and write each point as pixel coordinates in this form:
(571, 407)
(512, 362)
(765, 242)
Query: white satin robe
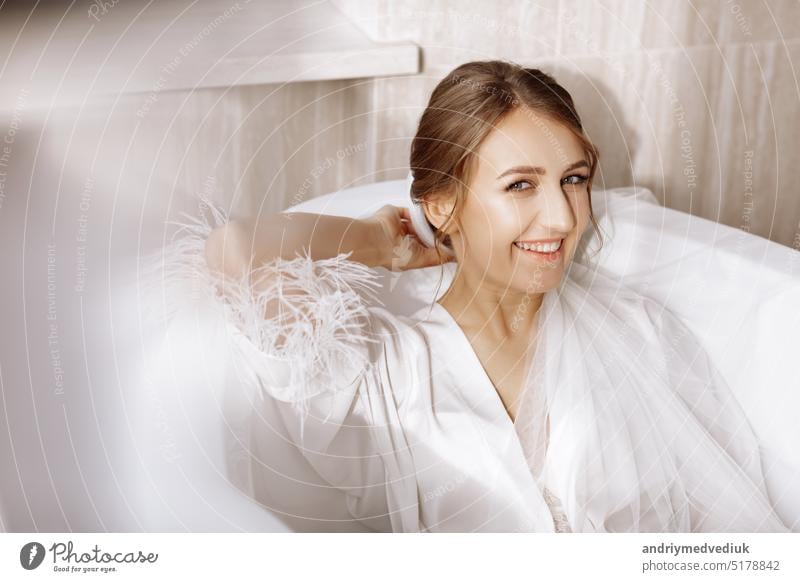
(398, 413)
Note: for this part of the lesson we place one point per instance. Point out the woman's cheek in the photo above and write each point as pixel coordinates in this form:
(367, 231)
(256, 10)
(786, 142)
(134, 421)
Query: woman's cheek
(583, 212)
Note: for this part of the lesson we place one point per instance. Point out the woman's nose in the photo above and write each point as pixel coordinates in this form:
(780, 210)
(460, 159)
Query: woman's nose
(554, 209)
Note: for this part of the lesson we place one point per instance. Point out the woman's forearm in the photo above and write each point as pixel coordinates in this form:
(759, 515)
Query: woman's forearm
(324, 236)
(249, 243)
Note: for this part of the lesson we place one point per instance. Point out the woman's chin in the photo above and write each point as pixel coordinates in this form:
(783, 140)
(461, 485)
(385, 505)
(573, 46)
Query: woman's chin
(537, 280)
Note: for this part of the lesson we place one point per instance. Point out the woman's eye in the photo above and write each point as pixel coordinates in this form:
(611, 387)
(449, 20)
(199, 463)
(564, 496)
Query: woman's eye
(513, 187)
(574, 179)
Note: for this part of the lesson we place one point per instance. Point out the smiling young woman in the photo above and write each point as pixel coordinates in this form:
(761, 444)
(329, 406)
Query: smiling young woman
(534, 395)
(510, 195)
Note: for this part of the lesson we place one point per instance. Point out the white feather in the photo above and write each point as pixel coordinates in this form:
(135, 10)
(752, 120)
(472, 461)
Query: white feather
(297, 326)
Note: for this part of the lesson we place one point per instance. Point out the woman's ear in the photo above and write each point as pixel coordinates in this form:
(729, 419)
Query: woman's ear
(438, 208)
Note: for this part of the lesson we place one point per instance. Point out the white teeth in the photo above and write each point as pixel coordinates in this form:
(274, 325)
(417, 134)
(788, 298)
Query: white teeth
(540, 248)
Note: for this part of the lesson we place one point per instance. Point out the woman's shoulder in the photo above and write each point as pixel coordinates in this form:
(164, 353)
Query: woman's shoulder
(403, 334)
(403, 340)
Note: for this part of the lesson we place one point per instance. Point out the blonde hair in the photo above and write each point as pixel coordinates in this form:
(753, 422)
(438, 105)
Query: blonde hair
(463, 109)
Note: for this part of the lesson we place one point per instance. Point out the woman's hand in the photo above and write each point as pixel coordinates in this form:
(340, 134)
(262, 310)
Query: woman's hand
(402, 249)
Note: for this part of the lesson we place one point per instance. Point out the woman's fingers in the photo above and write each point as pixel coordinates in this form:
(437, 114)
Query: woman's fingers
(429, 257)
(411, 253)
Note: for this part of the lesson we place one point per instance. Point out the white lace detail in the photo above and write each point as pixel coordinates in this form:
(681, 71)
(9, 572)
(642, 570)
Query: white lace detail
(559, 517)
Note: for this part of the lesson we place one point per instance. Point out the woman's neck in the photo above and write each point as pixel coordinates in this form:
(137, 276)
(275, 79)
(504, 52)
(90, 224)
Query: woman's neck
(501, 313)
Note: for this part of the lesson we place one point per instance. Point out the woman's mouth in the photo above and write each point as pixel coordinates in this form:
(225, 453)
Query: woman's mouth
(548, 251)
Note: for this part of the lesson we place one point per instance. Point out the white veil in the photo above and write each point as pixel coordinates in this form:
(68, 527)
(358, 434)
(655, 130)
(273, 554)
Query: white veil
(645, 435)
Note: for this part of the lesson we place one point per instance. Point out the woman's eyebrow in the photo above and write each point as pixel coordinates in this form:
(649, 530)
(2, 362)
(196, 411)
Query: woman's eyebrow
(541, 171)
(578, 164)
(523, 170)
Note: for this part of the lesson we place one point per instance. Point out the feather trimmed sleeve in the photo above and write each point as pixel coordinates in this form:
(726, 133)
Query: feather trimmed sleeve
(296, 327)
(301, 342)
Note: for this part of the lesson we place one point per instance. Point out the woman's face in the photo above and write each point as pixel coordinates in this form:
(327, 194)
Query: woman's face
(530, 185)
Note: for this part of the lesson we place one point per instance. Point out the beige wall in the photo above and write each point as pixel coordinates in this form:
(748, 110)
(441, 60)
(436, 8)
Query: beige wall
(682, 97)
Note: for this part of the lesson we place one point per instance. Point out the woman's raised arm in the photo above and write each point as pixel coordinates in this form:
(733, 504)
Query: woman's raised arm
(239, 245)
(385, 239)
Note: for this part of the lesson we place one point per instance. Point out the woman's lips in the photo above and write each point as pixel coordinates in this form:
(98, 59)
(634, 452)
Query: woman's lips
(555, 255)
